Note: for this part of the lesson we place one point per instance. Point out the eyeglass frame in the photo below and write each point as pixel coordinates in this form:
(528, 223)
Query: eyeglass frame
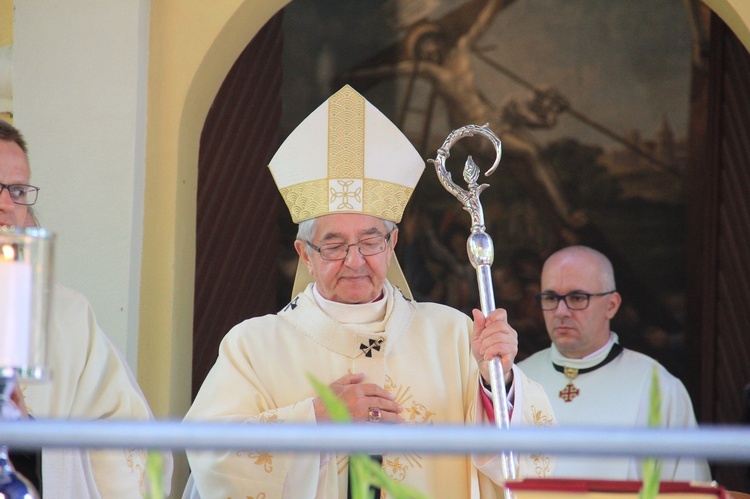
(386, 237)
(564, 299)
(33, 189)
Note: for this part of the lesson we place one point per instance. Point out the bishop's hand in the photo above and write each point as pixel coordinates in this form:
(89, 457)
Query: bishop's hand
(493, 337)
(19, 401)
(365, 401)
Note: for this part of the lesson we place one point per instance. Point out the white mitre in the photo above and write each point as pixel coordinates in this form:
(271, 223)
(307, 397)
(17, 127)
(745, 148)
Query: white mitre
(347, 157)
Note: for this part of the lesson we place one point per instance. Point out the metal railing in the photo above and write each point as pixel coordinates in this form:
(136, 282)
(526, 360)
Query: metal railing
(717, 444)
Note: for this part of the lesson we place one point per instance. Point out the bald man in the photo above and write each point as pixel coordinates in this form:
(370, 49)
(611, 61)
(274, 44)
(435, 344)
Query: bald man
(593, 381)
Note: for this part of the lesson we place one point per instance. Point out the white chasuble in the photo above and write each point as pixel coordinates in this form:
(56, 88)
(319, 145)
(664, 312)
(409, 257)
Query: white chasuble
(90, 381)
(613, 393)
(420, 353)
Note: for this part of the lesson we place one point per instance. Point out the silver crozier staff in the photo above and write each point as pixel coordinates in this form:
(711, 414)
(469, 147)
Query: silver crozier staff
(481, 254)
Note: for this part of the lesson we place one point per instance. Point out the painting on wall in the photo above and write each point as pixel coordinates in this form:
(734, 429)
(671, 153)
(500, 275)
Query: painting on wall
(591, 103)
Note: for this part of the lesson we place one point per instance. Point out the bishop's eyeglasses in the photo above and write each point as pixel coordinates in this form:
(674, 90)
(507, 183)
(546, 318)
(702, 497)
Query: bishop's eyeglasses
(368, 246)
(577, 300)
(21, 193)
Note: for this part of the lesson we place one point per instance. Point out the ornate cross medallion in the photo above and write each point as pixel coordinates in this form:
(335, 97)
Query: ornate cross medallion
(570, 391)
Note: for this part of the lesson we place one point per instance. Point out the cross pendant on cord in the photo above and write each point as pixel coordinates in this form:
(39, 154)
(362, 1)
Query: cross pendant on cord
(570, 391)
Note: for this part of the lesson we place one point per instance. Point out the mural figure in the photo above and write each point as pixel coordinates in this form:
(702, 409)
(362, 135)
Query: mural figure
(442, 54)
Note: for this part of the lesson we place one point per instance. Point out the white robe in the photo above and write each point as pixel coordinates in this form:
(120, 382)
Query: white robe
(615, 395)
(425, 361)
(90, 381)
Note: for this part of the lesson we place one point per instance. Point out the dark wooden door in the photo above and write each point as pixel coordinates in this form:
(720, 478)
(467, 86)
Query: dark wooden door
(237, 236)
(719, 271)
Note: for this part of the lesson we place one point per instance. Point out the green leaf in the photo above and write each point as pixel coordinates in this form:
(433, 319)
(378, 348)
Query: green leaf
(651, 472)
(654, 412)
(335, 407)
(154, 473)
(651, 466)
(363, 471)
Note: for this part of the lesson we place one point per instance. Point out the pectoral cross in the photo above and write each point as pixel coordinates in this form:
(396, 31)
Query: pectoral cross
(374, 345)
(292, 305)
(570, 391)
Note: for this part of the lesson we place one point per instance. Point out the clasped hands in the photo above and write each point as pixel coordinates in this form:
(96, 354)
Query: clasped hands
(492, 337)
(17, 398)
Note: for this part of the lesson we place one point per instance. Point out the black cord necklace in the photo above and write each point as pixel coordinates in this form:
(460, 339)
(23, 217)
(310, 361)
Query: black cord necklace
(570, 391)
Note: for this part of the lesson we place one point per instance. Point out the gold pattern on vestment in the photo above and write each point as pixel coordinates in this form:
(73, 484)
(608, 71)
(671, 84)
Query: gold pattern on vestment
(342, 464)
(541, 465)
(269, 417)
(419, 413)
(345, 195)
(306, 200)
(385, 199)
(262, 459)
(266, 460)
(541, 462)
(376, 197)
(394, 469)
(541, 419)
(400, 393)
(397, 467)
(346, 135)
(346, 189)
(135, 459)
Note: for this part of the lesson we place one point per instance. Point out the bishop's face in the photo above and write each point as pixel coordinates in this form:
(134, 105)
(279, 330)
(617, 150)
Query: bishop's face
(356, 278)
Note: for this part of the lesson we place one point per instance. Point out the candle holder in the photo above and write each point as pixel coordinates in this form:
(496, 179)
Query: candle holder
(25, 284)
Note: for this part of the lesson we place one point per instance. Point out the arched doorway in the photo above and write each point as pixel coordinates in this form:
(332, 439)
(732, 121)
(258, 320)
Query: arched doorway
(237, 234)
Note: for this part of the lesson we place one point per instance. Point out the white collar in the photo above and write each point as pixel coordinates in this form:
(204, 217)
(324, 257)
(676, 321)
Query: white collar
(588, 361)
(358, 313)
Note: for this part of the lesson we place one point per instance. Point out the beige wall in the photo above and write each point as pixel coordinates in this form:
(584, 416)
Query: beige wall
(193, 46)
(79, 97)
